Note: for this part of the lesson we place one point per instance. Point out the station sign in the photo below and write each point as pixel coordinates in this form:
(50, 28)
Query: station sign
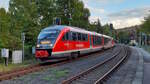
(17, 56)
(5, 53)
(33, 50)
(23, 36)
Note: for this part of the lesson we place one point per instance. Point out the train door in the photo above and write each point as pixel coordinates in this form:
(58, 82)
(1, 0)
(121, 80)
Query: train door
(65, 41)
(90, 36)
(102, 38)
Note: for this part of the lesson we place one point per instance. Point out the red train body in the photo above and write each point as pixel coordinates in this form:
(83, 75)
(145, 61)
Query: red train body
(62, 41)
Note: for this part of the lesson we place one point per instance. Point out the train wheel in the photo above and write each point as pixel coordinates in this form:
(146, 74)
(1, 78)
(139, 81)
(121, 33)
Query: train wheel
(76, 54)
(70, 57)
(73, 55)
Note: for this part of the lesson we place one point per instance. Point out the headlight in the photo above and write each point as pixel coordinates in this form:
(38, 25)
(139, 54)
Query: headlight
(37, 45)
(51, 45)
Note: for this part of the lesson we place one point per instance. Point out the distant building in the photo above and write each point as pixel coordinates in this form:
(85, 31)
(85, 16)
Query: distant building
(131, 30)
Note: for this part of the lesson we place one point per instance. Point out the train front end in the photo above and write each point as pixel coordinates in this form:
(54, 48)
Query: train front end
(45, 43)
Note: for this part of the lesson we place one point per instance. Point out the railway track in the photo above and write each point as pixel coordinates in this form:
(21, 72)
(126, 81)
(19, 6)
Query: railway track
(38, 67)
(22, 71)
(97, 74)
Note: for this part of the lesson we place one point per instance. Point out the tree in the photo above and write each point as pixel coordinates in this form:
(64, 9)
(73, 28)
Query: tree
(99, 27)
(25, 18)
(124, 37)
(106, 30)
(145, 27)
(73, 11)
(4, 27)
(7, 39)
(30, 16)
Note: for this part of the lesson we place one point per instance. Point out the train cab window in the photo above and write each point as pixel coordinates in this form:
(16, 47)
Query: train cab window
(74, 36)
(48, 35)
(66, 36)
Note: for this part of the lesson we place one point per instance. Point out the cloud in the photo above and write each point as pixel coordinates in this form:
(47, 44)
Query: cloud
(97, 10)
(124, 18)
(121, 23)
(130, 17)
(109, 1)
(103, 1)
(92, 9)
(130, 13)
(93, 18)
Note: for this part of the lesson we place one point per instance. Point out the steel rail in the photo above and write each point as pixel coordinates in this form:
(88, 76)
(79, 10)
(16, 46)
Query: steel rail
(100, 80)
(71, 79)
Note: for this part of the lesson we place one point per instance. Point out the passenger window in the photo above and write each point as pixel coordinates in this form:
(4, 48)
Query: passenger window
(83, 37)
(86, 37)
(79, 36)
(74, 36)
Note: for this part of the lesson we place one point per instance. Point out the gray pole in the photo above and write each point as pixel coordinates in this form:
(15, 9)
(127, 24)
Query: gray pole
(23, 41)
(145, 39)
(23, 51)
(140, 39)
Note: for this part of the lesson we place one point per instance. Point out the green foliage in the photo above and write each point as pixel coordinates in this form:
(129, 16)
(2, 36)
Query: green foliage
(25, 19)
(7, 38)
(73, 11)
(56, 74)
(28, 52)
(145, 27)
(96, 26)
(30, 16)
(123, 37)
(106, 30)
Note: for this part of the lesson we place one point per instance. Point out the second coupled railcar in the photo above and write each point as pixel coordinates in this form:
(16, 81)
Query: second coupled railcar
(63, 41)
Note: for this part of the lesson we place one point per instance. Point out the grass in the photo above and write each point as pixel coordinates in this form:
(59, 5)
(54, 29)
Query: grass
(61, 73)
(56, 74)
(11, 66)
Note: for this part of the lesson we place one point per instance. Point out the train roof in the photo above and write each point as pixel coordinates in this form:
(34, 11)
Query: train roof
(57, 27)
(107, 36)
(75, 29)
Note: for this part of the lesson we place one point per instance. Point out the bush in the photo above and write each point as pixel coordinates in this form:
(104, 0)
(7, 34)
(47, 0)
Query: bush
(28, 52)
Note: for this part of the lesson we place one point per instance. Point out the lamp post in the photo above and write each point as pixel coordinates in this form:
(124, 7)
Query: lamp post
(23, 41)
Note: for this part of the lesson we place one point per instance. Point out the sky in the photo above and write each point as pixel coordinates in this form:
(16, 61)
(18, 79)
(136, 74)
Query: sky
(122, 13)
(4, 4)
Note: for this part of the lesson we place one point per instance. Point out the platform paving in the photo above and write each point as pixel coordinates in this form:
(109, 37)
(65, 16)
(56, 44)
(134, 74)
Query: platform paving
(146, 76)
(126, 73)
(135, 71)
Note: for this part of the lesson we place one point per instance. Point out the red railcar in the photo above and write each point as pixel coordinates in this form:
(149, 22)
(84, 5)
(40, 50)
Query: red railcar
(64, 41)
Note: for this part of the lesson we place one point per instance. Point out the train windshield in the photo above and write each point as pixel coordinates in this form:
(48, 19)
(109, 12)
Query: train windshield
(48, 35)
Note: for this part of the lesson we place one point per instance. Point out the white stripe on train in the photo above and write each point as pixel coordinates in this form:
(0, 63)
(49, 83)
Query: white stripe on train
(69, 51)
